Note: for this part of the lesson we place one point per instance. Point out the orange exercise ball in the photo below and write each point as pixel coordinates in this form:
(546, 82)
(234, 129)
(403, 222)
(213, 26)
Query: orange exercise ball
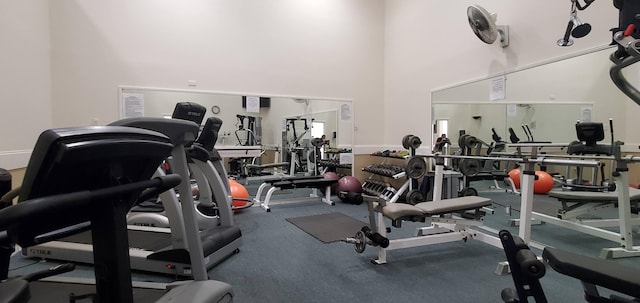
(514, 175)
(239, 193)
(544, 182)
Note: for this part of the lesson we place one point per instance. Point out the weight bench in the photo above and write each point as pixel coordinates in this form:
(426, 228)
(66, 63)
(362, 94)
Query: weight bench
(449, 221)
(580, 203)
(315, 182)
(619, 228)
(252, 169)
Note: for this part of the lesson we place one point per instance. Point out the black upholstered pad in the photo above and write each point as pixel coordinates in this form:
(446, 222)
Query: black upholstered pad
(589, 196)
(600, 272)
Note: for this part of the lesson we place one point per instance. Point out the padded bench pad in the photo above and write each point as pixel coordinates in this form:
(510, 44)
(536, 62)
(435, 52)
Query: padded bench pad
(399, 210)
(587, 196)
(395, 211)
(453, 205)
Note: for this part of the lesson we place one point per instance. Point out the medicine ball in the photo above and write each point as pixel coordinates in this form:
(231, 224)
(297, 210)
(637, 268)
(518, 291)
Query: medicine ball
(350, 184)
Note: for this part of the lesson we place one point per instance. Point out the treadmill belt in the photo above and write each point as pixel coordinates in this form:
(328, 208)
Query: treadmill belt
(147, 240)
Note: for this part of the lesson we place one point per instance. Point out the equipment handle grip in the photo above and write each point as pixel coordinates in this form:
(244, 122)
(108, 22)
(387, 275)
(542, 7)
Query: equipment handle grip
(529, 264)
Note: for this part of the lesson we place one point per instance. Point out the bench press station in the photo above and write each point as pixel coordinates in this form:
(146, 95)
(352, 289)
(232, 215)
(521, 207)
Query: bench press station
(579, 203)
(621, 198)
(314, 182)
(449, 219)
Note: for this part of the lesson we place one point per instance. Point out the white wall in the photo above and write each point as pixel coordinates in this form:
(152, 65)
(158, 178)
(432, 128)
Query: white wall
(385, 55)
(25, 107)
(322, 49)
(429, 45)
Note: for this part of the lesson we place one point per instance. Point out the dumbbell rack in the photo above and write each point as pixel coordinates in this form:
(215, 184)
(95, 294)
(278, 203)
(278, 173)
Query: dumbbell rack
(382, 188)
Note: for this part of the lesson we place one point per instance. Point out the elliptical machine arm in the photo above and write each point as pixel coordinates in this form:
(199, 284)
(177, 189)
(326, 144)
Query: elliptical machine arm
(627, 38)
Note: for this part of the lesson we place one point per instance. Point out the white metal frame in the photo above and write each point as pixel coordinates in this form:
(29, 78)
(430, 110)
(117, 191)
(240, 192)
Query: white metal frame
(264, 204)
(625, 235)
(440, 229)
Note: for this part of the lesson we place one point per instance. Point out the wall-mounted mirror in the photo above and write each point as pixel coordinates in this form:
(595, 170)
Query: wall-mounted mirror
(548, 97)
(253, 126)
(539, 122)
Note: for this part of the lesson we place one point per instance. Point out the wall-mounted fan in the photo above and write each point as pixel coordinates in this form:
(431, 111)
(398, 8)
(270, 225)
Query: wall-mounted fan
(484, 26)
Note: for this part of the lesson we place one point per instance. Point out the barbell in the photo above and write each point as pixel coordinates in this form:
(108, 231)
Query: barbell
(417, 167)
(365, 236)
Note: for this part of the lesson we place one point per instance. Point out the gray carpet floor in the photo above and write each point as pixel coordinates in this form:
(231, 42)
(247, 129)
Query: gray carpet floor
(279, 262)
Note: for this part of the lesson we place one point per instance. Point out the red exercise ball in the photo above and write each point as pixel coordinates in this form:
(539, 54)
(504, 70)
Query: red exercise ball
(350, 184)
(544, 182)
(514, 175)
(239, 193)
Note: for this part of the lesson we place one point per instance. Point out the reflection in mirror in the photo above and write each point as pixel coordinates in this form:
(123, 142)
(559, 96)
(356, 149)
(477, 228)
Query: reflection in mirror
(538, 122)
(299, 134)
(548, 98)
(253, 128)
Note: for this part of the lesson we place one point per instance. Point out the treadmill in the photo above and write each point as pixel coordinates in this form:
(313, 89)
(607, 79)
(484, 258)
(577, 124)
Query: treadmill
(110, 167)
(207, 170)
(161, 250)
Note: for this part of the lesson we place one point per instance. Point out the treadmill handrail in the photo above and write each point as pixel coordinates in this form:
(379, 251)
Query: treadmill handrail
(50, 205)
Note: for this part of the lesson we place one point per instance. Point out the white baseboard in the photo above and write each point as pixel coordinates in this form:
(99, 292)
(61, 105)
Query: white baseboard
(14, 159)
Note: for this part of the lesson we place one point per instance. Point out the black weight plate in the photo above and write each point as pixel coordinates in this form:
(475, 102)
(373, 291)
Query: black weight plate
(469, 167)
(415, 142)
(406, 141)
(414, 197)
(317, 142)
(462, 141)
(470, 141)
(469, 191)
(416, 168)
(361, 242)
